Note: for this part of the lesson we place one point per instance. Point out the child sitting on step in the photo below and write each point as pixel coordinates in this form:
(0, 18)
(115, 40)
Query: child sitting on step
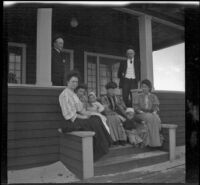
(136, 130)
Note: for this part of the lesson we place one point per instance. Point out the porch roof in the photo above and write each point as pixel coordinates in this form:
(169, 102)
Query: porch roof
(163, 35)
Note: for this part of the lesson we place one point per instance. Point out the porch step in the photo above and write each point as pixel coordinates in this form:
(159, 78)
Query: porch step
(126, 158)
(127, 149)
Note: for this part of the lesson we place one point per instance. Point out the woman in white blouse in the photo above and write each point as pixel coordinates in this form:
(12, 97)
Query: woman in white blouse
(77, 118)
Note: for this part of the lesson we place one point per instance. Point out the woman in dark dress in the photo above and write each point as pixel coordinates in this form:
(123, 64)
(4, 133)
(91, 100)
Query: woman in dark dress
(79, 120)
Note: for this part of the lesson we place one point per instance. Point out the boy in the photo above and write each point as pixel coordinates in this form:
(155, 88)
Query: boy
(136, 130)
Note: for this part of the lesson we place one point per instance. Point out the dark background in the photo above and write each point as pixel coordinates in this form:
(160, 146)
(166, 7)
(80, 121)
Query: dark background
(192, 50)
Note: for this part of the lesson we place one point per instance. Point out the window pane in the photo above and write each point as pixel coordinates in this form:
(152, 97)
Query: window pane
(11, 66)
(169, 68)
(108, 71)
(11, 57)
(91, 73)
(18, 66)
(18, 58)
(18, 74)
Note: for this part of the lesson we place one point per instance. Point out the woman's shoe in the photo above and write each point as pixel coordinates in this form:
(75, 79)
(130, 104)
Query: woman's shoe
(142, 145)
(116, 143)
(123, 143)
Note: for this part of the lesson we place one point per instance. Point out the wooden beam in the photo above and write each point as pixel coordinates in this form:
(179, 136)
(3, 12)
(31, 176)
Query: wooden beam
(145, 39)
(43, 60)
(156, 19)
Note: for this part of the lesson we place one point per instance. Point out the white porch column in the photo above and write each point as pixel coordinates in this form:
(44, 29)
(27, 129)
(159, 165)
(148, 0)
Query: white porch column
(146, 55)
(43, 61)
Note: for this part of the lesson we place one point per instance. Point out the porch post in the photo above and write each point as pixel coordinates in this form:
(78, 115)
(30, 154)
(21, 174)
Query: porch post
(43, 63)
(146, 55)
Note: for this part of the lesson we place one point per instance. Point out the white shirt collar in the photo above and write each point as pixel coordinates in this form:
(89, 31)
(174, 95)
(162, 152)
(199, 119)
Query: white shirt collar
(129, 60)
(57, 50)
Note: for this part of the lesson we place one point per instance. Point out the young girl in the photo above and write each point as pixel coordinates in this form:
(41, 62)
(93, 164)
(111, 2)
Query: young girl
(135, 129)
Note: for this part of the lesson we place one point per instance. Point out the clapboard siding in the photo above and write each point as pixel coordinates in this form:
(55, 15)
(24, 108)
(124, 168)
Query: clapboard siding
(37, 150)
(14, 108)
(172, 111)
(20, 162)
(32, 99)
(32, 142)
(71, 153)
(13, 135)
(77, 146)
(35, 125)
(34, 91)
(76, 167)
(34, 115)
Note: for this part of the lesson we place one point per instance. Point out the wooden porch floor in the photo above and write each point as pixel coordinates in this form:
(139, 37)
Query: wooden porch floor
(166, 172)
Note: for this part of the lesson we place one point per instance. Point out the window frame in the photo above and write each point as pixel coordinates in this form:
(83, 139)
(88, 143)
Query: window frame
(71, 51)
(98, 55)
(23, 69)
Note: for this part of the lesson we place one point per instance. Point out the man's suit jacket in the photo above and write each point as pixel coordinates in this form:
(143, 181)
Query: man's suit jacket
(123, 68)
(57, 68)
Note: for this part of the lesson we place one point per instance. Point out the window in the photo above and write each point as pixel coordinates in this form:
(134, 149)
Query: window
(169, 68)
(16, 63)
(99, 70)
(69, 64)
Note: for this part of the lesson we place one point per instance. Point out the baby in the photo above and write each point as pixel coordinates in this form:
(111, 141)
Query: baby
(135, 129)
(96, 108)
(93, 105)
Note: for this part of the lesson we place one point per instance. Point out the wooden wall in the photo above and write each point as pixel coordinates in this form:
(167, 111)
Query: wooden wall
(100, 30)
(34, 116)
(172, 111)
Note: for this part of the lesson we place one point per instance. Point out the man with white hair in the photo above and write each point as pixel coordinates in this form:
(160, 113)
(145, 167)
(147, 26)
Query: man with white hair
(129, 75)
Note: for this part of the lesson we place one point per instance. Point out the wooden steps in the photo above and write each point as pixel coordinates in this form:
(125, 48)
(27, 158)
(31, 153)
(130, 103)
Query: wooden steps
(124, 158)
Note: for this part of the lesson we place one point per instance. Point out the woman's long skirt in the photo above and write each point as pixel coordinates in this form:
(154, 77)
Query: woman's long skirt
(153, 122)
(101, 140)
(117, 131)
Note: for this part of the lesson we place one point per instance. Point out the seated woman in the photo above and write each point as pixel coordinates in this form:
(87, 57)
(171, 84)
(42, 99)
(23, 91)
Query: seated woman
(76, 119)
(112, 107)
(81, 92)
(146, 106)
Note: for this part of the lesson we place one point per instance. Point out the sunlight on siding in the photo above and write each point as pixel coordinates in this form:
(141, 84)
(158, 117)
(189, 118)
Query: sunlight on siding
(169, 68)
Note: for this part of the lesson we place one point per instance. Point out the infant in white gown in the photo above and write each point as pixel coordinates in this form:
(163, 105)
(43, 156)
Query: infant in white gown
(96, 108)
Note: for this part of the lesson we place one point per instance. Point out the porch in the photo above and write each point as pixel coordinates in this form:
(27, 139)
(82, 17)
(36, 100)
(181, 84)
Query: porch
(163, 172)
(95, 49)
(33, 140)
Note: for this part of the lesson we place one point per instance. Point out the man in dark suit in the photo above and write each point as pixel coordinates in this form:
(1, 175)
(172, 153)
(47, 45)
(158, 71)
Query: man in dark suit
(129, 75)
(58, 62)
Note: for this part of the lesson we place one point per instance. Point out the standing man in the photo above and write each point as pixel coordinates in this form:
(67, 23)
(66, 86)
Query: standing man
(129, 75)
(58, 62)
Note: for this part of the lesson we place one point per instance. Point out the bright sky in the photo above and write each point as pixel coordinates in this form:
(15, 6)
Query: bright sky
(169, 68)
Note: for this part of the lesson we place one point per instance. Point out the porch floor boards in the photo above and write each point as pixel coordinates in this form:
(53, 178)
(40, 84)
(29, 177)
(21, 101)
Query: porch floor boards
(124, 158)
(165, 172)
